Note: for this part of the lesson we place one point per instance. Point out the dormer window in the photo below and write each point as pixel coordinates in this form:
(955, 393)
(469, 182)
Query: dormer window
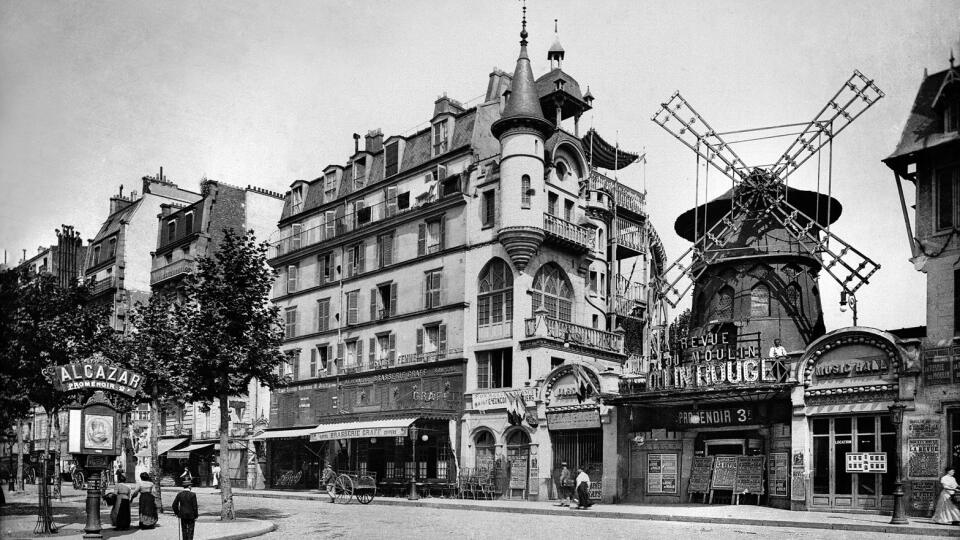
(440, 138)
(188, 222)
(360, 171)
(391, 159)
(112, 248)
(951, 117)
(330, 186)
(296, 200)
(171, 230)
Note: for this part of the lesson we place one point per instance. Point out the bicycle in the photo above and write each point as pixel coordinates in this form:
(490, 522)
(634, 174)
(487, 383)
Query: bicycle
(78, 479)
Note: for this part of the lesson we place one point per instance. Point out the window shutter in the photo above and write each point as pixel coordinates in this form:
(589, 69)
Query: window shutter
(324, 306)
(392, 354)
(379, 262)
(330, 226)
(421, 239)
(361, 255)
(393, 299)
(340, 351)
(443, 237)
(359, 358)
(419, 340)
(443, 337)
(373, 350)
(329, 356)
(387, 250)
(391, 198)
(373, 304)
(350, 262)
(313, 363)
(316, 316)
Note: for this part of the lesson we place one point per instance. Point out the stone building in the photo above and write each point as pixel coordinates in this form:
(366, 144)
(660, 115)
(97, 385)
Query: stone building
(457, 294)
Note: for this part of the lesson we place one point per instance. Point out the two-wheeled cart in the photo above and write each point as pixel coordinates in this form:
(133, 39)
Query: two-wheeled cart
(350, 484)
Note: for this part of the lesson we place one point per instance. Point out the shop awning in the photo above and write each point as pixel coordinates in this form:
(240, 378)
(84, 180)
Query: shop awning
(184, 453)
(285, 434)
(393, 427)
(163, 446)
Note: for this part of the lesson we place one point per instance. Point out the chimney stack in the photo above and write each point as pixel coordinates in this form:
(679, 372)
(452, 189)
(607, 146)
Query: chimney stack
(374, 140)
(356, 143)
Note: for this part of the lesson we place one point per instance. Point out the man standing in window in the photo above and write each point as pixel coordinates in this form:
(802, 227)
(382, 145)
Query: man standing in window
(777, 351)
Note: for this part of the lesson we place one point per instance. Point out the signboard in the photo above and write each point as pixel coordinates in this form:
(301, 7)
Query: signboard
(843, 368)
(563, 385)
(923, 428)
(518, 470)
(724, 472)
(923, 458)
(700, 472)
(777, 474)
(583, 419)
(662, 473)
(871, 462)
(937, 366)
(97, 374)
(728, 416)
(749, 474)
(359, 433)
(719, 375)
(923, 494)
(484, 401)
(798, 485)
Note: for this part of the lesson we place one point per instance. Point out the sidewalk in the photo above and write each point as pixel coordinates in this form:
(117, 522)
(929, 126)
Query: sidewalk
(692, 513)
(18, 518)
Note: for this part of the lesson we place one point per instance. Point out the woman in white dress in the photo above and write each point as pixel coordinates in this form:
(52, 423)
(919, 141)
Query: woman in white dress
(946, 512)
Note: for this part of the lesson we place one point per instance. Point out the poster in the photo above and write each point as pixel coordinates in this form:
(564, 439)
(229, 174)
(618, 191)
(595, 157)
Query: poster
(518, 470)
(777, 474)
(749, 474)
(724, 472)
(662, 473)
(798, 485)
(700, 473)
(98, 432)
(923, 494)
(923, 458)
(923, 428)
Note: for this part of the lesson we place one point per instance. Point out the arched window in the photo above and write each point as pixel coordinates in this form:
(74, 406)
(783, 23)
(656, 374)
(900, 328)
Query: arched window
(793, 296)
(562, 170)
(495, 301)
(518, 438)
(486, 449)
(760, 301)
(552, 291)
(725, 303)
(525, 191)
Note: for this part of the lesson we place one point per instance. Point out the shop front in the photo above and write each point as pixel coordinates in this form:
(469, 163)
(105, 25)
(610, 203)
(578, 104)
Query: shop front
(707, 431)
(845, 435)
(573, 422)
(170, 467)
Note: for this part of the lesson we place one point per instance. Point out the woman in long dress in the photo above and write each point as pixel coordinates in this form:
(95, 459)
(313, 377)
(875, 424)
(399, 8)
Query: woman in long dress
(583, 489)
(946, 512)
(148, 505)
(120, 515)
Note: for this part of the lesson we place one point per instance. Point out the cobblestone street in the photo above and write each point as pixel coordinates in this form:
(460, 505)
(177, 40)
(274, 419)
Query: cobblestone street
(313, 519)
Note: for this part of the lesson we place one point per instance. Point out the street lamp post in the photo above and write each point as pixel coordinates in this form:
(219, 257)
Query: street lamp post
(413, 479)
(851, 300)
(899, 517)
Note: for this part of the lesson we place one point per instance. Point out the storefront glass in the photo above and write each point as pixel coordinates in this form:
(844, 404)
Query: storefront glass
(833, 439)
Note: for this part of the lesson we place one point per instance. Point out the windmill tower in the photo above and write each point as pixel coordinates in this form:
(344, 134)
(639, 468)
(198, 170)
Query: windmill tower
(759, 248)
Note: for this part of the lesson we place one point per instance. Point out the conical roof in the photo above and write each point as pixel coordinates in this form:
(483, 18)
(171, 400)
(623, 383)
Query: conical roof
(523, 104)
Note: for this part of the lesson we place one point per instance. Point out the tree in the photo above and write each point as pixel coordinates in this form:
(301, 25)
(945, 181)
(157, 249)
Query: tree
(679, 330)
(233, 332)
(53, 326)
(155, 349)
(14, 403)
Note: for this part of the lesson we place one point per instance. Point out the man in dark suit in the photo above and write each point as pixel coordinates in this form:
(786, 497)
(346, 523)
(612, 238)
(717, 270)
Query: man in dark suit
(185, 508)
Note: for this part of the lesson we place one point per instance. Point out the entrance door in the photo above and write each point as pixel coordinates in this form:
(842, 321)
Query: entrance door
(833, 438)
(518, 456)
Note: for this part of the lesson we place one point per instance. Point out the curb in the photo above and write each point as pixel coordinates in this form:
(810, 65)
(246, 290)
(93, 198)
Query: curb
(268, 526)
(612, 514)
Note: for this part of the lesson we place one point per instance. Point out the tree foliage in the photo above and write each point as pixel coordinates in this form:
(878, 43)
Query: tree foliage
(232, 330)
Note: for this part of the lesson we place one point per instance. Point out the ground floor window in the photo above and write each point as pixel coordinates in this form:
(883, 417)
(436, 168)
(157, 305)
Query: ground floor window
(295, 463)
(833, 439)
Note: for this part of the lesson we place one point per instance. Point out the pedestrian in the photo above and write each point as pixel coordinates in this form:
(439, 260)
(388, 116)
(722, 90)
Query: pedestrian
(185, 476)
(120, 476)
(186, 509)
(215, 471)
(583, 489)
(328, 479)
(120, 514)
(566, 485)
(148, 504)
(778, 350)
(946, 512)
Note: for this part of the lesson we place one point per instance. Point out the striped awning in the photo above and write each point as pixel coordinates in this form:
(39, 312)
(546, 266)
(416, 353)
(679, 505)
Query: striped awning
(392, 427)
(297, 433)
(602, 154)
(163, 446)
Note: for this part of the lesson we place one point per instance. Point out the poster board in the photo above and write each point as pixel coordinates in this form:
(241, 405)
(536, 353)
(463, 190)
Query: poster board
(923, 458)
(749, 477)
(662, 472)
(724, 472)
(777, 474)
(701, 471)
(518, 470)
(923, 494)
(798, 485)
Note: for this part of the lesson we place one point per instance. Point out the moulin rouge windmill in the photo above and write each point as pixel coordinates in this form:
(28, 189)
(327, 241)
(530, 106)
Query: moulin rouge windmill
(758, 249)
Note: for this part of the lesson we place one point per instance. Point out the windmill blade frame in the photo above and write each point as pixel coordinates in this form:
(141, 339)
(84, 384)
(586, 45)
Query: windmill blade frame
(858, 93)
(708, 145)
(786, 214)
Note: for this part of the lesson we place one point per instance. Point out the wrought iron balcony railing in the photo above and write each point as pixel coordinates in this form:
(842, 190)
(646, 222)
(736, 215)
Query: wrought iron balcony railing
(626, 198)
(568, 232)
(172, 270)
(103, 285)
(574, 334)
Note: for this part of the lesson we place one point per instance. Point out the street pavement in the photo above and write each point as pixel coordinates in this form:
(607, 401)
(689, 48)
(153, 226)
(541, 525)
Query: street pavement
(322, 520)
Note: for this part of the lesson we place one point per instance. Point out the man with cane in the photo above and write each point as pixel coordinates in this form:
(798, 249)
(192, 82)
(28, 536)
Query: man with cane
(185, 508)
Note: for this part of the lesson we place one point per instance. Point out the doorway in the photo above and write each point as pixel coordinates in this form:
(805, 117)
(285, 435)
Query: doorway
(518, 459)
(833, 438)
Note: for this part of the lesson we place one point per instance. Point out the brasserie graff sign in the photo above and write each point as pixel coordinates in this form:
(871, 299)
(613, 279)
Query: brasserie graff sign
(99, 375)
(710, 375)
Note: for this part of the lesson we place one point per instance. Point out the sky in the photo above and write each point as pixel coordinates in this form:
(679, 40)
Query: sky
(94, 95)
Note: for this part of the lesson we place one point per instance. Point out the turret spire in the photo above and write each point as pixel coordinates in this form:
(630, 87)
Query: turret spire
(555, 54)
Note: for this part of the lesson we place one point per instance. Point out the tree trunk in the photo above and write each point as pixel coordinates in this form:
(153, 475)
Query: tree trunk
(58, 493)
(154, 451)
(226, 494)
(20, 454)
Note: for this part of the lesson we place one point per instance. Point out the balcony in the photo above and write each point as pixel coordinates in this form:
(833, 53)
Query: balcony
(631, 238)
(427, 357)
(628, 199)
(568, 234)
(494, 331)
(99, 287)
(172, 270)
(565, 332)
(367, 216)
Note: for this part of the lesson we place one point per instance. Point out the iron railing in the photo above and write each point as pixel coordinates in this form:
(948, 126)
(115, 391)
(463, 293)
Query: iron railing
(626, 198)
(172, 270)
(574, 334)
(567, 231)
(103, 285)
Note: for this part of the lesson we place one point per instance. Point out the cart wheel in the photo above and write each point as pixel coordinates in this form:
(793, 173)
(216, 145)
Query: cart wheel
(366, 489)
(344, 489)
(365, 497)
